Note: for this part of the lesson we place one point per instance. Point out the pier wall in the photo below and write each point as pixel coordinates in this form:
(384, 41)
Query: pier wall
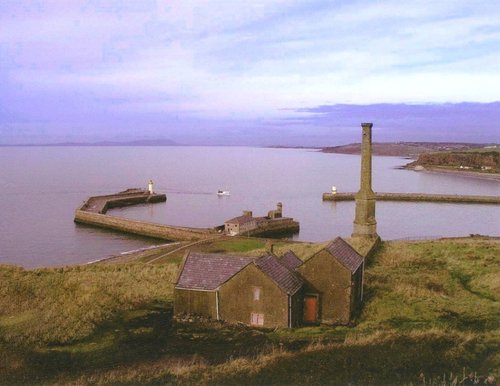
(100, 204)
(274, 227)
(418, 197)
(93, 212)
(160, 231)
(119, 203)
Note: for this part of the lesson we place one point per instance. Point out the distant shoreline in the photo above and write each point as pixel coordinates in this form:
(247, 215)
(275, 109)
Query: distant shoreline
(388, 149)
(406, 149)
(99, 144)
(468, 173)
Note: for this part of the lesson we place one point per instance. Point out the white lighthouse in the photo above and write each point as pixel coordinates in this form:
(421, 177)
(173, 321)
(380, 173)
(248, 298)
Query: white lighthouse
(150, 186)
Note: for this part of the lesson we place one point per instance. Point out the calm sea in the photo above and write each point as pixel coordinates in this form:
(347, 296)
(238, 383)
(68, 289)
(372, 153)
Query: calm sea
(40, 187)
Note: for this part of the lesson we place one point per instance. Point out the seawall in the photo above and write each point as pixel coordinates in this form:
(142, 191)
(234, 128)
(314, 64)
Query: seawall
(275, 227)
(159, 231)
(93, 212)
(418, 197)
(101, 204)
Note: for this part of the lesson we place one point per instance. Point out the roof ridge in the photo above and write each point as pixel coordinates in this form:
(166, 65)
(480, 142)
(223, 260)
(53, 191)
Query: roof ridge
(292, 272)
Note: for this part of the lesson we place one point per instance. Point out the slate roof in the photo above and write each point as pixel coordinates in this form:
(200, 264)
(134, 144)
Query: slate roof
(241, 220)
(290, 260)
(345, 254)
(288, 281)
(205, 271)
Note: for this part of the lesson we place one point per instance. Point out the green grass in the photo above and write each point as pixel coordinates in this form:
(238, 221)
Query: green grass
(427, 283)
(430, 307)
(50, 306)
(483, 150)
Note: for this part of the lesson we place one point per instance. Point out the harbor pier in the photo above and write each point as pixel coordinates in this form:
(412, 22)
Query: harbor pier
(93, 212)
(418, 197)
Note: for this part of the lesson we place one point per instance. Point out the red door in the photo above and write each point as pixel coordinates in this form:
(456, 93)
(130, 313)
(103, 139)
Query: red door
(310, 309)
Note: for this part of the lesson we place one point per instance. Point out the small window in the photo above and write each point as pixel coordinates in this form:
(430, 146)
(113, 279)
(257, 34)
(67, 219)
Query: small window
(257, 319)
(256, 293)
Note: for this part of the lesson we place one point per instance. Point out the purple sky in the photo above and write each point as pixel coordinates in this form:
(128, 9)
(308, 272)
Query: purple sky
(259, 72)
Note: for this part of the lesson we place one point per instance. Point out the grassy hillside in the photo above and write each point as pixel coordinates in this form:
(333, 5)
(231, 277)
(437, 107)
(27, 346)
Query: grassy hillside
(486, 160)
(404, 149)
(431, 308)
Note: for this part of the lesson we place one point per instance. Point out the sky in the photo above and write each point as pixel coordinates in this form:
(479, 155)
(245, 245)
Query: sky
(256, 72)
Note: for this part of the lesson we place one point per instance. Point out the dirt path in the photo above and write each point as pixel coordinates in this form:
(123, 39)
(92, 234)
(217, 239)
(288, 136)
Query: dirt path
(184, 247)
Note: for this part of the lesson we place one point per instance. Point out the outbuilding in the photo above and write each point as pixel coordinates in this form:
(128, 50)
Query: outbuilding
(334, 283)
(256, 291)
(271, 291)
(241, 224)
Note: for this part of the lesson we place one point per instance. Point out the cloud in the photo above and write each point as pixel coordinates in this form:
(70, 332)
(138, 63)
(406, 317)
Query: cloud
(238, 61)
(456, 122)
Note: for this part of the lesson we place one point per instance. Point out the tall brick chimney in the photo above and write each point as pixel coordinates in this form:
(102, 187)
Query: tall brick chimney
(365, 224)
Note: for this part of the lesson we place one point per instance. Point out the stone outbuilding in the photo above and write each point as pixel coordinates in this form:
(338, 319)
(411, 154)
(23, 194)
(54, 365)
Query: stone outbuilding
(255, 291)
(240, 225)
(334, 283)
(266, 226)
(271, 291)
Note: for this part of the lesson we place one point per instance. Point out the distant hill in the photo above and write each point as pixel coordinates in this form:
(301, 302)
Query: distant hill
(486, 160)
(144, 142)
(404, 149)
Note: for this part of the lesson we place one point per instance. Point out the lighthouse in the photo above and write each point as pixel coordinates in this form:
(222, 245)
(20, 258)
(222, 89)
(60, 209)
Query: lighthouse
(150, 186)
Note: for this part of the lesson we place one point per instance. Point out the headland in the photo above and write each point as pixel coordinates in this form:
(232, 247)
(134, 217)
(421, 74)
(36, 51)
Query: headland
(405, 149)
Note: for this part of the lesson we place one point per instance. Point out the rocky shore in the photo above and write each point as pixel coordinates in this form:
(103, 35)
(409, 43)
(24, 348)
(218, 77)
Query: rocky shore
(459, 172)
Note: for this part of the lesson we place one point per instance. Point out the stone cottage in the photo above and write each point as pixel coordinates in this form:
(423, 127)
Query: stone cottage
(334, 283)
(272, 224)
(271, 291)
(259, 292)
(240, 225)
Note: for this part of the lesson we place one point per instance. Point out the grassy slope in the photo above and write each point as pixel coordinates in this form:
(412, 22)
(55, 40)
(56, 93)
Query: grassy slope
(452, 160)
(430, 307)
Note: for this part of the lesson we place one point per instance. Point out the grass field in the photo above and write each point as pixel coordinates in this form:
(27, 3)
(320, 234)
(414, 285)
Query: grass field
(431, 308)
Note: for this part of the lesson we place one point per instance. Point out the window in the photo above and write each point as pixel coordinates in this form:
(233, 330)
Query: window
(256, 293)
(257, 319)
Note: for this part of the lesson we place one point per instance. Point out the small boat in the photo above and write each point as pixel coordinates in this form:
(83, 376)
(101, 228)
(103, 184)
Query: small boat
(223, 193)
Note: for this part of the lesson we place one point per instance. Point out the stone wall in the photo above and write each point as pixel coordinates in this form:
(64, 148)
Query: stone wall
(326, 276)
(237, 302)
(285, 225)
(192, 302)
(142, 228)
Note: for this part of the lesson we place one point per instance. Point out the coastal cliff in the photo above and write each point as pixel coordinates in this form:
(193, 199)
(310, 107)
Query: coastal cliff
(405, 149)
(486, 161)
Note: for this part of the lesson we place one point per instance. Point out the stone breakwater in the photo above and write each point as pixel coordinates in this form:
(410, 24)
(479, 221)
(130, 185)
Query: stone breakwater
(445, 198)
(275, 227)
(93, 212)
(101, 204)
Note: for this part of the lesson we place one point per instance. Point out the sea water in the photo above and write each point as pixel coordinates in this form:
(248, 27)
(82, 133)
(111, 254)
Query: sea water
(40, 187)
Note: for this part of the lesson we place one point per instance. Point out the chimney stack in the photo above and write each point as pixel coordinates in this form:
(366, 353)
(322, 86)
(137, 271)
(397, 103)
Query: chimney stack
(365, 224)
